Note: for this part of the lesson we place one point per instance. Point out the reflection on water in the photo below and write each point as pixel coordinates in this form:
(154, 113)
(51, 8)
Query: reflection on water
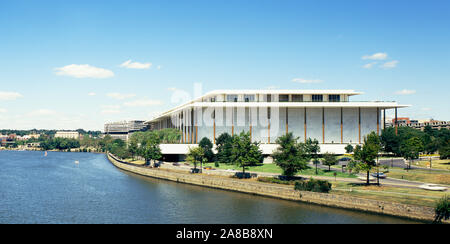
(54, 189)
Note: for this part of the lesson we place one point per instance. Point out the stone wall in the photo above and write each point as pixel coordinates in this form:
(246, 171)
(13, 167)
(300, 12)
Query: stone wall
(283, 192)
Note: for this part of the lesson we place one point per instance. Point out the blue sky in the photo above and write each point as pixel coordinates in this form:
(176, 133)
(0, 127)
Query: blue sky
(63, 64)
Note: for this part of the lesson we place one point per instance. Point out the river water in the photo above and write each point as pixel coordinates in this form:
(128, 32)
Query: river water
(54, 189)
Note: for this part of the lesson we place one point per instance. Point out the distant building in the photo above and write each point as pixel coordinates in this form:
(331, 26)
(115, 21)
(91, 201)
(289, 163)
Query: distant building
(67, 134)
(123, 129)
(434, 124)
(421, 124)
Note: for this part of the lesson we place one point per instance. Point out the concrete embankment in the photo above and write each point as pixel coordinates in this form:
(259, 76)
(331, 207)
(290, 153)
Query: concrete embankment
(282, 192)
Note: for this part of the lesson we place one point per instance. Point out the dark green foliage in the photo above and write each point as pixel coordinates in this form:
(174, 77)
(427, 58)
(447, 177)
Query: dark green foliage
(366, 155)
(290, 156)
(224, 147)
(349, 148)
(244, 152)
(442, 210)
(207, 146)
(444, 150)
(329, 160)
(59, 144)
(313, 185)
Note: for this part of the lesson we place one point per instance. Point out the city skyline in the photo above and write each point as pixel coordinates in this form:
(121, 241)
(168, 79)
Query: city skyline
(70, 65)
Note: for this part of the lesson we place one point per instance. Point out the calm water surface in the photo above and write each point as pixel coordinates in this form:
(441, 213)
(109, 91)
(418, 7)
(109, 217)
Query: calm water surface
(53, 189)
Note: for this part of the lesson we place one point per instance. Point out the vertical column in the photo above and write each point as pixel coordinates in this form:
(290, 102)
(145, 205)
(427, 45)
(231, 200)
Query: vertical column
(359, 124)
(384, 119)
(287, 121)
(342, 126)
(304, 124)
(323, 125)
(196, 125)
(232, 121)
(378, 121)
(250, 121)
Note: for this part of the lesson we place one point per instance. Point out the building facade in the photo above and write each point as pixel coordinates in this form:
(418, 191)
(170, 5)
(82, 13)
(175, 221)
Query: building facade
(326, 115)
(123, 129)
(67, 134)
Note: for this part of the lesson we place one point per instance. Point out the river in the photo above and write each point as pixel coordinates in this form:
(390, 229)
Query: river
(54, 189)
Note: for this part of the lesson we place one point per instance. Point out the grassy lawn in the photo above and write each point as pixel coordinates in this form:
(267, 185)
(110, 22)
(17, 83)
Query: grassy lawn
(138, 162)
(437, 177)
(273, 168)
(443, 164)
(388, 193)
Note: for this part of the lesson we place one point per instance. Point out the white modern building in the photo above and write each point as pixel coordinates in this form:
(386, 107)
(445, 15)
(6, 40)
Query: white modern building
(67, 134)
(326, 115)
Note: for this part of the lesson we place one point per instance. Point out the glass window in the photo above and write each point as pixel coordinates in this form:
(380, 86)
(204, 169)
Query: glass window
(269, 98)
(249, 98)
(297, 98)
(232, 98)
(334, 98)
(283, 98)
(317, 98)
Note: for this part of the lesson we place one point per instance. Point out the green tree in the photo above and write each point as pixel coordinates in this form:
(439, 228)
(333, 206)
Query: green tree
(312, 149)
(245, 152)
(195, 156)
(442, 209)
(329, 160)
(367, 154)
(224, 147)
(150, 149)
(411, 149)
(207, 146)
(290, 155)
(349, 148)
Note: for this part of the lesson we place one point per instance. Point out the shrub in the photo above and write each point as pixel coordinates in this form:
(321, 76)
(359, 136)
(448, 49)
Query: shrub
(313, 185)
(442, 210)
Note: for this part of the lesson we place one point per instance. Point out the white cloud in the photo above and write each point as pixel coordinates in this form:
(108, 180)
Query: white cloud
(2, 110)
(405, 92)
(136, 65)
(159, 67)
(84, 71)
(9, 95)
(172, 88)
(272, 87)
(426, 109)
(120, 96)
(376, 56)
(304, 81)
(92, 94)
(389, 65)
(110, 111)
(369, 65)
(143, 103)
(42, 112)
(110, 106)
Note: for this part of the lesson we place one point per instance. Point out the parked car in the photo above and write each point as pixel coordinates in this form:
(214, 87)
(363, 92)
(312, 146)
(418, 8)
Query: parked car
(344, 159)
(379, 175)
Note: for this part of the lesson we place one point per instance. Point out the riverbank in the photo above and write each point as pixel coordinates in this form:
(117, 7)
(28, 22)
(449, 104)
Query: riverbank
(282, 192)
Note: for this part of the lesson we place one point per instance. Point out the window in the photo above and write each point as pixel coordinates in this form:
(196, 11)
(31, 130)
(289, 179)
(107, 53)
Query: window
(249, 98)
(317, 98)
(269, 98)
(232, 98)
(212, 99)
(283, 98)
(297, 98)
(334, 98)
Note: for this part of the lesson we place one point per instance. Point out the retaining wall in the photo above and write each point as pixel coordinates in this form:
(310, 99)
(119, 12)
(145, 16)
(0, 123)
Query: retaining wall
(283, 192)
